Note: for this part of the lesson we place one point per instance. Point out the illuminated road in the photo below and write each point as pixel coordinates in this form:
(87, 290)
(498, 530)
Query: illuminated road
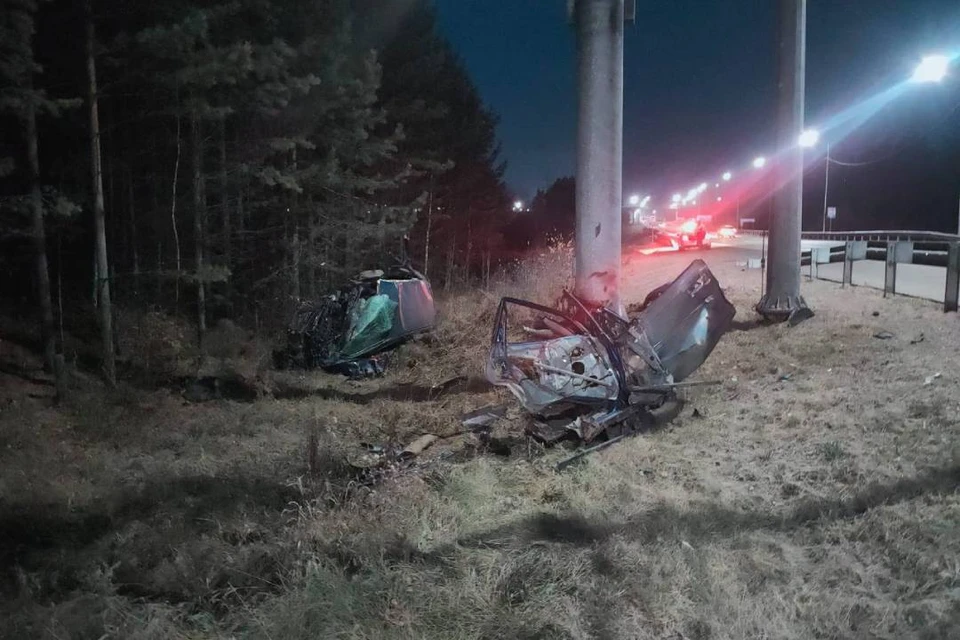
(646, 269)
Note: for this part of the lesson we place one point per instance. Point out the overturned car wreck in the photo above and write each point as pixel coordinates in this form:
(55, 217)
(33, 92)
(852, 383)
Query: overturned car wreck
(344, 331)
(594, 373)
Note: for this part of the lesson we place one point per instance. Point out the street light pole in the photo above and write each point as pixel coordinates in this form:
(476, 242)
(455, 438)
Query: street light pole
(826, 188)
(599, 26)
(782, 299)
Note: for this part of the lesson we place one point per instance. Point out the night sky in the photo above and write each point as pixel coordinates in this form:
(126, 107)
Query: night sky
(700, 91)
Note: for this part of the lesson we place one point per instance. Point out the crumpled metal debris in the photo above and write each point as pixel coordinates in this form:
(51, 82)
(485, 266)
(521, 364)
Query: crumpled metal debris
(589, 371)
(371, 314)
(484, 417)
(417, 447)
(547, 373)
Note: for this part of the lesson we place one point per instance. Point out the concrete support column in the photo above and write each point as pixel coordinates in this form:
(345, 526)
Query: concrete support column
(952, 292)
(599, 25)
(782, 298)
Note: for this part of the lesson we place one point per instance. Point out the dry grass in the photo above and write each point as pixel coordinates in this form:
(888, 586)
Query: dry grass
(815, 497)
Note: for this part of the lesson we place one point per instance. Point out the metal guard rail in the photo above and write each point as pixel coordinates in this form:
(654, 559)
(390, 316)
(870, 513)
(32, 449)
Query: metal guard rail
(869, 236)
(897, 247)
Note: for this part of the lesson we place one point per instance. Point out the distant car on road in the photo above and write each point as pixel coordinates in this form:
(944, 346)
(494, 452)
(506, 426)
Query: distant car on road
(689, 234)
(727, 231)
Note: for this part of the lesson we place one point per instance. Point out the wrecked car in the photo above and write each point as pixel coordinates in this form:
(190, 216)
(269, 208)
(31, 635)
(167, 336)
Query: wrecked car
(604, 368)
(344, 331)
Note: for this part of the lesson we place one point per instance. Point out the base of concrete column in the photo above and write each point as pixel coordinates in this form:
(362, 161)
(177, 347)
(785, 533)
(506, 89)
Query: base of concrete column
(779, 309)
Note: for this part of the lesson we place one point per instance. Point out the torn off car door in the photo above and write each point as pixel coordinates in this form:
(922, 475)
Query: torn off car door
(686, 321)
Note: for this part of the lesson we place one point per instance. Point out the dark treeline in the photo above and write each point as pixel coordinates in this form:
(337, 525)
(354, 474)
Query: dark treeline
(226, 159)
(553, 211)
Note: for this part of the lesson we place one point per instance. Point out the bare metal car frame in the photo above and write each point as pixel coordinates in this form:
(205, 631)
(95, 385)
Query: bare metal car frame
(604, 367)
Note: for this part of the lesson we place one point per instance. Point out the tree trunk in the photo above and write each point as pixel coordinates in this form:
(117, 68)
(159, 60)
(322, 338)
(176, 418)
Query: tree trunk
(295, 262)
(426, 244)
(110, 232)
(346, 238)
(199, 206)
(311, 250)
(382, 228)
(99, 217)
(135, 254)
(469, 256)
(224, 199)
(173, 220)
(293, 215)
(327, 255)
(94, 285)
(225, 213)
(159, 299)
(451, 255)
(241, 222)
(60, 287)
(40, 248)
(114, 319)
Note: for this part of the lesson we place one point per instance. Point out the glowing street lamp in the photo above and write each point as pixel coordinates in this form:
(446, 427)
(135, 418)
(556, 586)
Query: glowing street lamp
(759, 162)
(518, 206)
(634, 200)
(726, 176)
(931, 69)
(808, 138)
(676, 197)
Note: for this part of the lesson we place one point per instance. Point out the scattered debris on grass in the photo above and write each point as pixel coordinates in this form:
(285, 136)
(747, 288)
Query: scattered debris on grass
(484, 417)
(417, 447)
(798, 316)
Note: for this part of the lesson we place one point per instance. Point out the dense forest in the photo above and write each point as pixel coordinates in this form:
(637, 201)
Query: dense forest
(229, 160)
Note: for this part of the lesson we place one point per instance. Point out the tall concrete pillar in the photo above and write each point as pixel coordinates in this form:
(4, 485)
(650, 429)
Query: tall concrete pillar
(599, 25)
(782, 298)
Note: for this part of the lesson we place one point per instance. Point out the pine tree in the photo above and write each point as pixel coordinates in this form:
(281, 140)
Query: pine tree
(199, 69)
(273, 145)
(102, 264)
(19, 97)
(450, 141)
